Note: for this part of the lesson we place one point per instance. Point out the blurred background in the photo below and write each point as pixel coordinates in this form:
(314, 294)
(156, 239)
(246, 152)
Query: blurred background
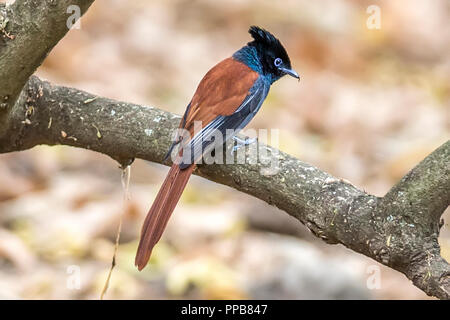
(370, 105)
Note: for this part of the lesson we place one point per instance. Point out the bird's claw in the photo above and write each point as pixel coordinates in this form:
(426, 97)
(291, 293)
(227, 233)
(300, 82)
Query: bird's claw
(242, 142)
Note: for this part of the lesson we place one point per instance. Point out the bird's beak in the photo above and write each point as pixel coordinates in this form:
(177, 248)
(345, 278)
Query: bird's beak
(291, 72)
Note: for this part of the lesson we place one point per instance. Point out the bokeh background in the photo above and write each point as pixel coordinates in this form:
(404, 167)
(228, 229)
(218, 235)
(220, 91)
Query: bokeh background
(371, 104)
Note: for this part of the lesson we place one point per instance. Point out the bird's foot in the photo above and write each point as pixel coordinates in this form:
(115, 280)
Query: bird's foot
(242, 142)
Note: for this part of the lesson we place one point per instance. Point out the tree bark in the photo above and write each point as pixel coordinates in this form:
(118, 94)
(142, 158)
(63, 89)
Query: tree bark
(399, 230)
(29, 29)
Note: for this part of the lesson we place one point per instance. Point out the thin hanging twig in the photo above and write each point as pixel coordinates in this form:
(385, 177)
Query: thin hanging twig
(126, 173)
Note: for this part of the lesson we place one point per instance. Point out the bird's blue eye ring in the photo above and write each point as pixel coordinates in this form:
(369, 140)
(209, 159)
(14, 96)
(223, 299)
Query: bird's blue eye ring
(278, 62)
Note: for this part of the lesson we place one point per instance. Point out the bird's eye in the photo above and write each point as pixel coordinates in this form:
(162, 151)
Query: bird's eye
(278, 62)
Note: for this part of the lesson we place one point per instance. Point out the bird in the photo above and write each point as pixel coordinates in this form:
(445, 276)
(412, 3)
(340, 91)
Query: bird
(227, 98)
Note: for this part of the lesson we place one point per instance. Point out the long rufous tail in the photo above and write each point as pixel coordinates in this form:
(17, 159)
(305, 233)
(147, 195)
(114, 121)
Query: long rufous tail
(160, 212)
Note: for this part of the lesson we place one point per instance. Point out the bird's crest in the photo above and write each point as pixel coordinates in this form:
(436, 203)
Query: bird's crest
(263, 36)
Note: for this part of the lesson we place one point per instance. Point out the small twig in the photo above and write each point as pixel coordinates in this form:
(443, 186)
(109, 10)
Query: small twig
(99, 134)
(90, 100)
(126, 173)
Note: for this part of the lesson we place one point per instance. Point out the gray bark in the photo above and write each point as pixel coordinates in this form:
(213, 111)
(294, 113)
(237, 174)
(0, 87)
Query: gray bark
(29, 29)
(399, 230)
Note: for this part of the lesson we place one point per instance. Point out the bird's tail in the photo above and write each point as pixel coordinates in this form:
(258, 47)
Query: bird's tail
(160, 212)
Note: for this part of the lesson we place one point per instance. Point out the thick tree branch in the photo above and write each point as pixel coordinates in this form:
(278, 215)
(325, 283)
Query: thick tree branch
(29, 29)
(399, 230)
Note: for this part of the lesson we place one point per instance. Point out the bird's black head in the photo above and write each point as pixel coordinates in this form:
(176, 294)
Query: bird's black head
(271, 53)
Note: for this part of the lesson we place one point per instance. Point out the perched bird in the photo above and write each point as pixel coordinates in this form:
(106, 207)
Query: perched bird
(228, 97)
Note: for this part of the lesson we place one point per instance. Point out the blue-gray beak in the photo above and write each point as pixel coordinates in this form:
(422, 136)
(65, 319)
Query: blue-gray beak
(291, 72)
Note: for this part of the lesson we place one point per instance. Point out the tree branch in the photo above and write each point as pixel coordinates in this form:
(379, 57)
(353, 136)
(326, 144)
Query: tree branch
(399, 230)
(29, 29)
